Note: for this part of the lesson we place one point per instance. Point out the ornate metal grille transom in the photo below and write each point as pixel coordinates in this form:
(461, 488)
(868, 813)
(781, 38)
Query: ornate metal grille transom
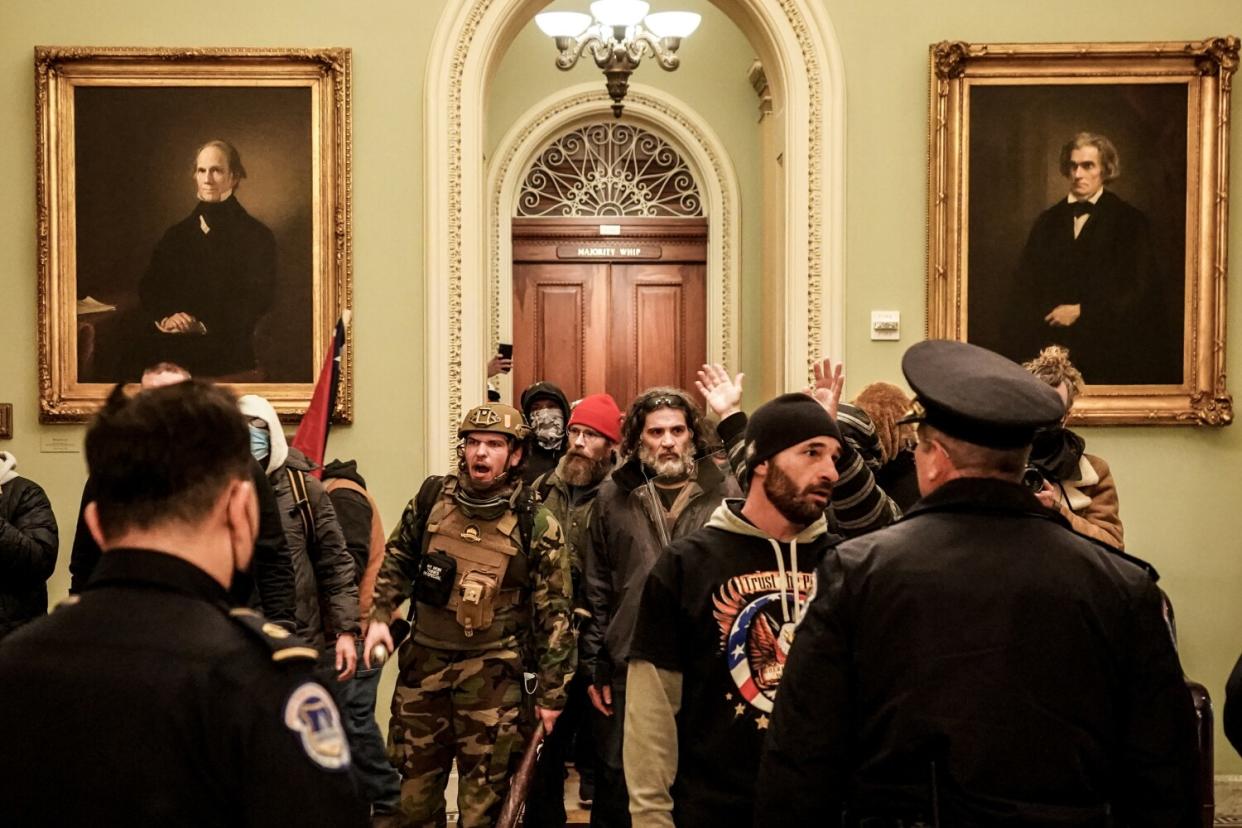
(609, 169)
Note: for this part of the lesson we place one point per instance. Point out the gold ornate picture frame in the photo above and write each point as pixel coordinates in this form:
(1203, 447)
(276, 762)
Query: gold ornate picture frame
(1132, 282)
(130, 272)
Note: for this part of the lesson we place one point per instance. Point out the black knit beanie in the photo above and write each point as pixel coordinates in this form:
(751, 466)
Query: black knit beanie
(783, 422)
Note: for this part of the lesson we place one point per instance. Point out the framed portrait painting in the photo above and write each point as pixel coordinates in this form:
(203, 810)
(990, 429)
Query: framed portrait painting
(193, 208)
(1078, 197)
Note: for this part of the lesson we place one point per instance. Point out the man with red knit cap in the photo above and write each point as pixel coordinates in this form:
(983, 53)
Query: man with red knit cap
(568, 491)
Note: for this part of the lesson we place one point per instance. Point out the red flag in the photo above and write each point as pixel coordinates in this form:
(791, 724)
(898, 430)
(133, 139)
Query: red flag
(312, 435)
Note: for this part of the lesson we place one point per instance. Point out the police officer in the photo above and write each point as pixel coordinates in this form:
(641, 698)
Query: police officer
(489, 576)
(146, 700)
(979, 663)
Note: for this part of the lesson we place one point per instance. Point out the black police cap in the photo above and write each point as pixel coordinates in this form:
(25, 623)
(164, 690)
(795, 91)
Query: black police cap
(976, 395)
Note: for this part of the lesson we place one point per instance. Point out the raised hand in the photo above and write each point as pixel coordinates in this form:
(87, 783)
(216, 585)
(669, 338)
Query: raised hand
(722, 394)
(829, 381)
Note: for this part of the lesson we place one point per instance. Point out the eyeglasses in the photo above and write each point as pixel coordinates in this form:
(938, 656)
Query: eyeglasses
(588, 434)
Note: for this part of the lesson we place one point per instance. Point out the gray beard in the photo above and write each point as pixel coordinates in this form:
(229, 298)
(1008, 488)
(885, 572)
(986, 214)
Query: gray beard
(674, 469)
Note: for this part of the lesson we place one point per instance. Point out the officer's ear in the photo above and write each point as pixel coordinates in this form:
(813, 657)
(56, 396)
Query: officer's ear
(91, 515)
(515, 455)
(241, 510)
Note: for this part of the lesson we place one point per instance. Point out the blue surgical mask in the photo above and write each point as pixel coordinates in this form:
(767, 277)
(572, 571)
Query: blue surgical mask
(260, 442)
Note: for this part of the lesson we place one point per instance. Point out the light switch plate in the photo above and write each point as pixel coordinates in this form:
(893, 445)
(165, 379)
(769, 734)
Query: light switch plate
(886, 325)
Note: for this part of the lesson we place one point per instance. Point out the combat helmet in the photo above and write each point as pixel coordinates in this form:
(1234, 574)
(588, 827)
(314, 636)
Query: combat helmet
(496, 418)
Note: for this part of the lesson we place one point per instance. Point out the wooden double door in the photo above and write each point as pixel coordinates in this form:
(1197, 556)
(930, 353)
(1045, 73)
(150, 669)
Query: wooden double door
(617, 314)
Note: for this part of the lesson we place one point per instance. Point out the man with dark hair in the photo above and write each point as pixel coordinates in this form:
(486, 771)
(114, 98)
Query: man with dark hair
(197, 714)
(977, 663)
(858, 505)
(211, 277)
(1086, 276)
(267, 587)
(28, 546)
(667, 487)
(717, 618)
(488, 575)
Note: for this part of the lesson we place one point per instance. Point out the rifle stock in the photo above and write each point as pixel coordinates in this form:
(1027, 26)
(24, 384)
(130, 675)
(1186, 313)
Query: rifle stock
(514, 808)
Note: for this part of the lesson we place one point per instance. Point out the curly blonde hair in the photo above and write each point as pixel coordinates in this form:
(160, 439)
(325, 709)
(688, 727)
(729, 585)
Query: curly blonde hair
(885, 404)
(1053, 366)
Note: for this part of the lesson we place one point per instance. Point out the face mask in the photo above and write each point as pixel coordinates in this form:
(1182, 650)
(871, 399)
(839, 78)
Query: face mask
(260, 442)
(549, 427)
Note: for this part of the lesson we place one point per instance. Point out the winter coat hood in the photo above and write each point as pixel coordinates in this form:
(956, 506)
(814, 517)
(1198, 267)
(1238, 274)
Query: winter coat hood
(346, 469)
(728, 518)
(252, 405)
(8, 467)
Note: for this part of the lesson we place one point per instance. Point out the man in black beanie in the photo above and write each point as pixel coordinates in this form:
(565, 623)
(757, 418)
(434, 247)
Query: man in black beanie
(718, 615)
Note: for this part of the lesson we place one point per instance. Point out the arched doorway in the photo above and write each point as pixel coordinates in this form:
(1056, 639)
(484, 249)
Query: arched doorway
(796, 44)
(609, 264)
(714, 241)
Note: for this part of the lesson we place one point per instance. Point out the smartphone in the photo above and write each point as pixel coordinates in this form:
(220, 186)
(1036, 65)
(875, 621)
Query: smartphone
(505, 349)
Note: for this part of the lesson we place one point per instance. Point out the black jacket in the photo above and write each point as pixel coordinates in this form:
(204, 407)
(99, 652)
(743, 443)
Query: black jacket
(353, 513)
(324, 573)
(225, 278)
(271, 572)
(177, 713)
(980, 640)
(623, 543)
(28, 545)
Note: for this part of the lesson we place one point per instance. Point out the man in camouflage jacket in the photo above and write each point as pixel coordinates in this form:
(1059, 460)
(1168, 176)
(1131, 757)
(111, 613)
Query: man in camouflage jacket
(459, 692)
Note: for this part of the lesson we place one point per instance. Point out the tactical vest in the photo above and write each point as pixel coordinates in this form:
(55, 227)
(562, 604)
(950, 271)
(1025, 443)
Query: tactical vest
(492, 575)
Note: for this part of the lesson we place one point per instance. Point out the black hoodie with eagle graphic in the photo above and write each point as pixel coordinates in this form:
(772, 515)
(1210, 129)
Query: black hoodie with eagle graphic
(719, 611)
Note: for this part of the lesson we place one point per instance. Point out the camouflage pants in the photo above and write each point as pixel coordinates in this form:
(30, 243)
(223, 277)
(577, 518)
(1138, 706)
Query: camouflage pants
(464, 705)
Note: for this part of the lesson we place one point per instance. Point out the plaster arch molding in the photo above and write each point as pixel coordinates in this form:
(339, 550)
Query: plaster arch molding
(659, 113)
(797, 45)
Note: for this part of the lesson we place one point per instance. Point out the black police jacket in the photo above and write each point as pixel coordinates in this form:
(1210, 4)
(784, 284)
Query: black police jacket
(981, 650)
(146, 702)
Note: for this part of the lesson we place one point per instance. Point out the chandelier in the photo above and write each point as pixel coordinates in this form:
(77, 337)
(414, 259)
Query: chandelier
(618, 33)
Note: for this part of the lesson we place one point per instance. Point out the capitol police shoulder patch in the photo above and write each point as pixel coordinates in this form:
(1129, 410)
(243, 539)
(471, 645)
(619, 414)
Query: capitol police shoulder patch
(311, 713)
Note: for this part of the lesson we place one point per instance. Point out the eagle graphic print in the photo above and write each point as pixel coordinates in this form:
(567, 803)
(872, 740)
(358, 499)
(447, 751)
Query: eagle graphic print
(755, 613)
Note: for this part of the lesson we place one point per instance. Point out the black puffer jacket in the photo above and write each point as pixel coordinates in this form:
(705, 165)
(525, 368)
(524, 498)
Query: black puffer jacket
(28, 545)
(539, 459)
(624, 542)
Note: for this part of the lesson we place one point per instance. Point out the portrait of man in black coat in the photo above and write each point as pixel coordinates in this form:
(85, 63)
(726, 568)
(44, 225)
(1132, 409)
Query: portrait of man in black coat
(211, 277)
(208, 256)
(1089, 272)
(1077, 217)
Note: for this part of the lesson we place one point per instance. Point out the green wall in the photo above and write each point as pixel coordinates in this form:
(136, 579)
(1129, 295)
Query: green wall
(1177, 486)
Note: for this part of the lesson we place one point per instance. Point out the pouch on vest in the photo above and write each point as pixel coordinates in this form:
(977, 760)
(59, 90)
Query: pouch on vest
(437, 571)
(475, 607)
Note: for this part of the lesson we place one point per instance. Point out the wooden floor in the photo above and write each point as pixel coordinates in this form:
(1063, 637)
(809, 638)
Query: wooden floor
(575, 814)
